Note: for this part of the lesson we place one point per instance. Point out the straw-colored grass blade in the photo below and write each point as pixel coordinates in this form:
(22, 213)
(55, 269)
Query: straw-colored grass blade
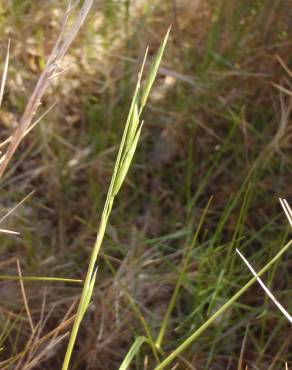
(4, 73)
(287, 210)
(265, 288)
(41, 278)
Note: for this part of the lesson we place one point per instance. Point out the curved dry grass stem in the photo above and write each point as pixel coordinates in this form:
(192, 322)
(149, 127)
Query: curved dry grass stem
(13, 209)
(32, 327)
(52, 67)
(265, 288)
(287, 210)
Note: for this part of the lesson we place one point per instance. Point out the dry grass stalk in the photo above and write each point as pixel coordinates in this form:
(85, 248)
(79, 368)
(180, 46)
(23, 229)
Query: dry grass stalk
(287, 210)
(24, 297)
(53, 67)
(4, 74)
(288, 213)
(265, 288)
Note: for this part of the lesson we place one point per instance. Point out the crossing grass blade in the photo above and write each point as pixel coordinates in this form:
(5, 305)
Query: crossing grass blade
(125, 155)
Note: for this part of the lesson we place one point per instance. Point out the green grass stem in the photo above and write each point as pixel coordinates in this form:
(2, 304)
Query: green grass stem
(125, 155)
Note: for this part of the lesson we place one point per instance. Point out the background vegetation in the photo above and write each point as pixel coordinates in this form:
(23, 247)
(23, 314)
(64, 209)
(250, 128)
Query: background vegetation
(217, 132)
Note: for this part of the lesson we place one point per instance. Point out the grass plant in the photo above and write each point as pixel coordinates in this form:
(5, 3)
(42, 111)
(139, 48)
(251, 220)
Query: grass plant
(126, 153)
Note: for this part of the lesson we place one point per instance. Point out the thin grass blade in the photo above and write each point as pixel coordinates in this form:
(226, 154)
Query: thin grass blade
(183, 269)
(4, 73)
(41, 278)
(132, 352)
(287, 210)
(88, 295)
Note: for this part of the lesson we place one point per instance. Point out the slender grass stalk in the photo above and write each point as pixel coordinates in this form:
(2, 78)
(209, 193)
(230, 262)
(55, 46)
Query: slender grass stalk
(226, 306)
(137, 312)
(125, 155)
(216, 291)
(10, 232)
(62, 44)
(41, 278)
(287, 210)
(4, 73)
(132, 352)
(243, 346)
(183, 269)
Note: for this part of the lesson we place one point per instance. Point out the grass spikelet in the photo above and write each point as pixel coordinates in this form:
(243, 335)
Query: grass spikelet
(153, 71)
